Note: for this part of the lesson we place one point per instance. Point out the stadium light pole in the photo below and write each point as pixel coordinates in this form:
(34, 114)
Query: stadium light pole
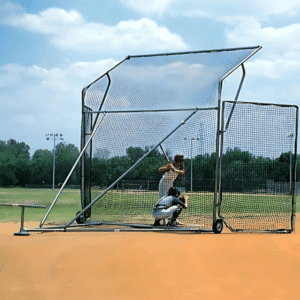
(53, 137)
(192, 139)
(291, 136)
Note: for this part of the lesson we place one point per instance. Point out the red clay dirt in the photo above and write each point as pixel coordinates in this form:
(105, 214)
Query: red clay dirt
(148, 265)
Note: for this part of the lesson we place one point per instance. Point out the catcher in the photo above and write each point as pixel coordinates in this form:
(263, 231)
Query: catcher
(169, 207)
(170, 173)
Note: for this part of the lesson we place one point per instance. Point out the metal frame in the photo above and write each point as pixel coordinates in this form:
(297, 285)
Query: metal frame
(132, 167)
(70, 173)
(219, 134)
(219, 144)
(197, 52)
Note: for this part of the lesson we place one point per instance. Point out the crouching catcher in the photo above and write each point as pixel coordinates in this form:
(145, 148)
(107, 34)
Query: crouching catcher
(169, 207)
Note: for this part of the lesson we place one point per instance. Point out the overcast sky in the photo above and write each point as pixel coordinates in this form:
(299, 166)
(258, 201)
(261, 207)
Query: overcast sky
(50, 50)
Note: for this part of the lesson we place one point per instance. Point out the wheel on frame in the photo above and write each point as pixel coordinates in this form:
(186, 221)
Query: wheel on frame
(218, 226)
(80, 219)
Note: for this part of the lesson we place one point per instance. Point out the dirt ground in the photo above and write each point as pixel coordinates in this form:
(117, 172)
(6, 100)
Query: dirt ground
(148, 265)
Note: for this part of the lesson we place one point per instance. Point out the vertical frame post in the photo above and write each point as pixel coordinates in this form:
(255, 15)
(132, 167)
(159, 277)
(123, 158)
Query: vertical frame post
(294, 191)
(218, 166)
(86, 158)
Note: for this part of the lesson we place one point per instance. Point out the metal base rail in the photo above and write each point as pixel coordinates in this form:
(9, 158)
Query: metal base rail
(86, 227)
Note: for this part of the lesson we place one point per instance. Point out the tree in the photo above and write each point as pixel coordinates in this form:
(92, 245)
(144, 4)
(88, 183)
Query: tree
(102, 154)
(14, 163)
(7, 168)
(135, 153)
(42, 166)
(66, 155)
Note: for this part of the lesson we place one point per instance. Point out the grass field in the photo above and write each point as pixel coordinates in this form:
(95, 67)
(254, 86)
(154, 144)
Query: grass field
(68, 204)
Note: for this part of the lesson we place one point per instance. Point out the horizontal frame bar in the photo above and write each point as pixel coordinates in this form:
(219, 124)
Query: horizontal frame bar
(148, 110)
(262, 103)
(24, 205)
(195, 52)
(133, 228)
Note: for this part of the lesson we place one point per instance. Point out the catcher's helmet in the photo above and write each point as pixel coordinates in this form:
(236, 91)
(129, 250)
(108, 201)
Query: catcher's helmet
(173, 192)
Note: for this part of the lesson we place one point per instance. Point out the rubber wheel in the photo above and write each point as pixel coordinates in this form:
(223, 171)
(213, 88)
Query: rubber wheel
(218, 226)
(80, 219)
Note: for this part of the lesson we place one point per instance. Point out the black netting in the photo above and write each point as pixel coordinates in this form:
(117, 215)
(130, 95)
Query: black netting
(132, 198)
(258, 166)
(163, 102)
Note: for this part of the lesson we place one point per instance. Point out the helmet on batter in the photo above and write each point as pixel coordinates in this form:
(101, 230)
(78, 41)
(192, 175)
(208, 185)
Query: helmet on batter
(179, 158)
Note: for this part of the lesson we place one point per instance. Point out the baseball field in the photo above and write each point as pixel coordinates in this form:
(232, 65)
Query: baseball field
(131, 265)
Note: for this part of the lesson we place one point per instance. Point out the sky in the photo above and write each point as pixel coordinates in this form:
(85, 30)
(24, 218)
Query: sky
(50, 50)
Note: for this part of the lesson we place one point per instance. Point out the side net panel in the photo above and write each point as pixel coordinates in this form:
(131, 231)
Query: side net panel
(258, 165)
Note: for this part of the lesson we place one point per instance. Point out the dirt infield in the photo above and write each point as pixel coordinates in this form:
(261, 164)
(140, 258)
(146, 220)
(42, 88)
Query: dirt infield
(148, 265)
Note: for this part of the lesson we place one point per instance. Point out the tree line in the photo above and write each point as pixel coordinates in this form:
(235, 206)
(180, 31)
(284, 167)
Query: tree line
(237, 167)
(18, 168)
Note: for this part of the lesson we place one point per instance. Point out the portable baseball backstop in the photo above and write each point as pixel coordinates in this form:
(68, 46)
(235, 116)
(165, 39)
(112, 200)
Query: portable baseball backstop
(141, 113)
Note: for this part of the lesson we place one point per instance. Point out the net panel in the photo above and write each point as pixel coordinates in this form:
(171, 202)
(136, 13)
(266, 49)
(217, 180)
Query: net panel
(131, 199)
(257, 166)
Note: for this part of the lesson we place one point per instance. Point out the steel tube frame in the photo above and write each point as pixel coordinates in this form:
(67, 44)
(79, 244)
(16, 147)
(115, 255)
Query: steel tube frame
(195, 52)
(164, 152)
(132, 167)
(70, 173)
(132, 229)
(236, 98)
(219, 145)
(219, 134)
(83, 163)
(86, 191)
(106, 72)
(149, 110)
(102, 102)
(294, 172)
(219, 104)
(219, 141)
(217, 153)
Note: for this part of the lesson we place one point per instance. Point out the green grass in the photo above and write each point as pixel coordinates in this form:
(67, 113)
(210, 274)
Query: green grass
(255, 204)
(115, 203)
(66, 207)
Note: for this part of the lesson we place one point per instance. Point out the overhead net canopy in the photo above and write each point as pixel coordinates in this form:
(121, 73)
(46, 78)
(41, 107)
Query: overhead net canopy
(143, 103)
(165, 81)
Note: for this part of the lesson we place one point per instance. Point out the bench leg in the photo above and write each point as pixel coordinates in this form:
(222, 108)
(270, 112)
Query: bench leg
(22, 230)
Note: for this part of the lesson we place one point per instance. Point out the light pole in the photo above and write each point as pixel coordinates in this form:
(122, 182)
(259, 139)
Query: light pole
(192, 139)
(54, 137)
(291, 136)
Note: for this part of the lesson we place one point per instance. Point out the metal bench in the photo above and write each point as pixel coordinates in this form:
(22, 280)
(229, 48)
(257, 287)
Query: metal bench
(22, 231)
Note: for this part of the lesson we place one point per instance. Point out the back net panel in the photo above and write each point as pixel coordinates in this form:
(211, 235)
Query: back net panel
(140, 103)
(132, 198)
(258, 166)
